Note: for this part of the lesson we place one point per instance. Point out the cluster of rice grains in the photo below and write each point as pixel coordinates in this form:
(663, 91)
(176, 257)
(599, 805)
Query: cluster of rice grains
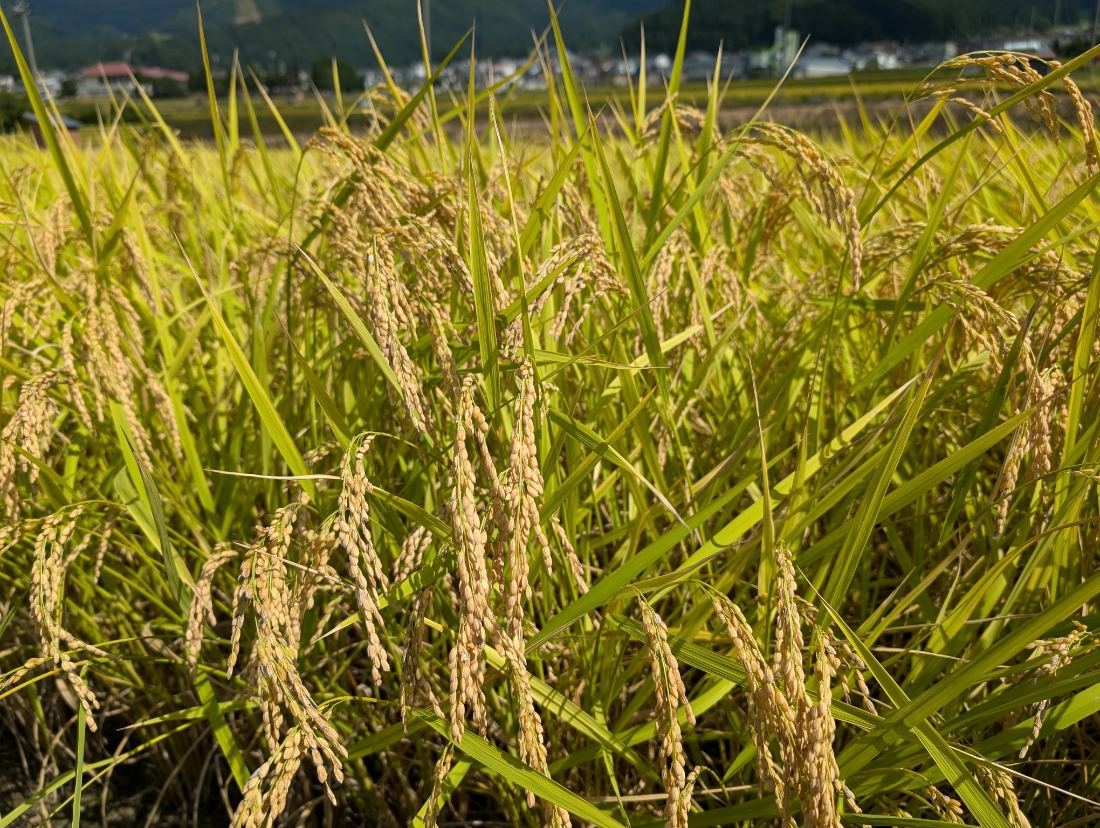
(24, 440)
(823, 184)
(782, 711)
(670, 697)
(1014, 72)
(515, 517)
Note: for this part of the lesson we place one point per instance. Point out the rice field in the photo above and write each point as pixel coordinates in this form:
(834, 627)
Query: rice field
(654, 474)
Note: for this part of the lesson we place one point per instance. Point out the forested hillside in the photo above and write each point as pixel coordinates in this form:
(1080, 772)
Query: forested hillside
(744, 23)
(71, 33)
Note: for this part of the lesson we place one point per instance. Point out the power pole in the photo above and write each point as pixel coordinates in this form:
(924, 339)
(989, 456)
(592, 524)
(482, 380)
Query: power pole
(23, 9)
(428, 25)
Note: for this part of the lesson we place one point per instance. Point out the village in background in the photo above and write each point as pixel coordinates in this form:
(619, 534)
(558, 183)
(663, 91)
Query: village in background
(103, 80)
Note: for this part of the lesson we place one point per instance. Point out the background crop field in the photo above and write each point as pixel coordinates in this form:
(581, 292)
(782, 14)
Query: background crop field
(438, 475)
(815, 103)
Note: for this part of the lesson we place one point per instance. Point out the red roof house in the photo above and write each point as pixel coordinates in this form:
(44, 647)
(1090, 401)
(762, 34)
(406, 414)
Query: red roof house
(119, 77)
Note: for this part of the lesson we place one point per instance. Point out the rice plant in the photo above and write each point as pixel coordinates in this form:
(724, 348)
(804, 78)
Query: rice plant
(642, 471)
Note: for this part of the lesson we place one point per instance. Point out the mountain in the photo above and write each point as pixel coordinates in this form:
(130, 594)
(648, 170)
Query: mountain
(72, 33)
(288, 33)
(118, 16)
(745, 23)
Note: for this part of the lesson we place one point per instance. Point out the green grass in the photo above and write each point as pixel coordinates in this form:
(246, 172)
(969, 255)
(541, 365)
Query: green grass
(266, 360)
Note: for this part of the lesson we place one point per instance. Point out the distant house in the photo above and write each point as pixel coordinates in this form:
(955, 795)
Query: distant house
(105, 79)
(163, 83)
(118, 77)
(821, 66)
(154, 73)
(821, 61)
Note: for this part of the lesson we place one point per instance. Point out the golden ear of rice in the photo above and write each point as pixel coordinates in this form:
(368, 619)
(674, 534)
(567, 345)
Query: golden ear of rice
(1061, 651)
(27, 433)
(803, 728)
(266, 591)
(671, 699)
(834, 199)
(999, 783)
(351, 526)
(979, 114)
(467, 662)
(51, 559)
(265, 796)
(946, 808)
(1016, 72)
(202, 608)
